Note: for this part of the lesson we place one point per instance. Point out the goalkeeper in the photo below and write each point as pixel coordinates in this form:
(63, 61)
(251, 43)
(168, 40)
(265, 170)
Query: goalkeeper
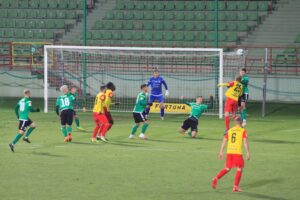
(197, 109)
(156, 82)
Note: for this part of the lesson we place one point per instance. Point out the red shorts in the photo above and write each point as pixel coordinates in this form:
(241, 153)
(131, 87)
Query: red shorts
(100, 118)
(231, 105)
(234, 160)
(108, 116)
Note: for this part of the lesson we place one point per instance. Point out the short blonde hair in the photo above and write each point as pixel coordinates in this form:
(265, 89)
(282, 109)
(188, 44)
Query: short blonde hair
(26, 91)
(62, 88)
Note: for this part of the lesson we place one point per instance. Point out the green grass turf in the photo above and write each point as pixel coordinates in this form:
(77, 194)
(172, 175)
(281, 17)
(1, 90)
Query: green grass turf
(167, 166)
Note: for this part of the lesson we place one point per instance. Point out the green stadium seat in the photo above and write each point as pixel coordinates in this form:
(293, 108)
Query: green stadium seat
(119, 15)
(221, 5)
(200, 5)
(231, 5)
(169, 5)
(290, 51)
(110, 16)
(5, 4)
(298, 39)
(63, 4)
(43, 4)
(189, 26)
(139, 6)
(2, 24)
(242, 5)
(19, 33)
(263, 5)
(243, 26)
(127, 35)
(98, 25)
(138, 15)
(1, 35)
(50, 24)
(231, 16)
(222, 16)
(149, 5)
(209, 26)
(159, 6)
(96, 35)
(169, 16)
(148, 25)
(128, 15)
(179, 16)
(159, 16)
(108, 25)
(107, 35)
(117, 35)
(3, 13)
(189, 16)
(158, 36)
(117, 25)
(189, 36)
(210, 5)
(121, 5)
(168, 25)
(179, 26)
(242, 16)
(33, 4)
(9, 33)
(137, 35)
(51, 14)
(61, 14)
(42, 14)
(40, 24)
(200, 16)
(24, 4)
(71, 15)
(129, 5)
(210, 37)
(20, 24)
(222, 37)
(49, 34)
(128, 25)
(179, 5)
(222, 26)
(22, 14)
(12, 14)
(252, 5)
(200, 26)
(179, 36)
(14, 4)
(291, 59)
(253, 16)
(189, 5)
(168, 36)
(30, 24)
(39, 34)
(158, 26)
(232, 37)
(88, 36)
(10, 23)
(72, 5)
(148, 36)
(231, 26)
(280, 59)
(210, 16)
(60, 24)
(148, 15)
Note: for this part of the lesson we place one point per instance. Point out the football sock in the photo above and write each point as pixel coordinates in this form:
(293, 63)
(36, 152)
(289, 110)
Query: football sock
(144, 128)
(69, 129)
(96, 130)
(244, 114)
(77, 122)
(162, 112)
(64, 131)
(29, 131)
(147, 110)
(104, 129)
(237, 178)
(222, 173)
(17, 138)
(134, 129)
(227, 122)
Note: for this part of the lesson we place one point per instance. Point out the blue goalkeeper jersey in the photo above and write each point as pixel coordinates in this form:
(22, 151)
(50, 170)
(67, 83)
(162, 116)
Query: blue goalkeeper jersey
(156, 85)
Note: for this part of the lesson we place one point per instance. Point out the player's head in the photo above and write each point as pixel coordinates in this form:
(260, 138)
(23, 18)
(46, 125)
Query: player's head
(144, 88)
(64, 89)
(243, 71)
(238, 78)
(155, 73)
(26, 93)
(199, 99)
(111, 86)
(103, 88)
(73, 90)
(238, 120)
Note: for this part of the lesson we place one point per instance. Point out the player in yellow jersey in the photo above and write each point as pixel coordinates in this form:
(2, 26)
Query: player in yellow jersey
(101, 122)
(235, 138)
(110, 92)
(235, 90)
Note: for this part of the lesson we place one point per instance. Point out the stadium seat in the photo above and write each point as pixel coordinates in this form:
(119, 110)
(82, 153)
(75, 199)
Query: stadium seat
(221, 5)
(231, 26)
(222, 37)
(43, 4)
(189, 36)
(63, 4)
(42, 14)
(252, 5)
(60, 24)
(179, 36)
(20, 24)
(70, 15)
(12, 14)
(231, 5)
(50, 24)
(179, 6)
(200, 26)
(232, 37)
(138, 15)
(169, 16)
(5, 4)
(130, 5)
(169, 5)
(148, 15)
(159, 5)
(40, 24)
(263, 5)
(107, 35)
(3, 13)
(33, 4)
(189, 26)
(222, 16)
(210, 5)
(148, 36)
(190, 6)
(158, 36)
(117, 25)
(168, 25)
(222, 26)
(243, 26)
(10, 23)
(179, 26)
(24, 4)
(149, 5)
(253, 16)
(127, 35)
(137, 35)
(242, 5)
(72, 5)
(61, 14)
(159, 16)
(231, 16)
(108, 25)
(128, 16)
(148, 25)
(168, 36)
(22, 14)
(242, 16)
(298, 39)
(158, 26)
(14, 4)
(128, 25)
(51, 14)
(19, 33)
(210, 16)
(209, 26)
(119, 16)
(210, 37)
(117, 35)
(189, 16)
(200, 5)
(38, 34)
(31, 24)
(138, 25)
(121, 5)
(200, 16)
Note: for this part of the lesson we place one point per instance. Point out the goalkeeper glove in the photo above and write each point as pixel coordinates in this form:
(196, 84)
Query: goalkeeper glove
(167, 93)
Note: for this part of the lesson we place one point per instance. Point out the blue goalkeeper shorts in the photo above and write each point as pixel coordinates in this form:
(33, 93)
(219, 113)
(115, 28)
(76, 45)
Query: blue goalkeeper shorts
(159, 98)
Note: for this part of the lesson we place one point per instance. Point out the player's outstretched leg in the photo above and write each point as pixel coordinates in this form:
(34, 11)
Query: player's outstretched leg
(95, 132)
(133, 130)
(218, 177)
(65, 133)
(227, 121)
(17, 138)
(29, 131)
(69, 131)
(162, 111)
(144, 129)
(237, 180)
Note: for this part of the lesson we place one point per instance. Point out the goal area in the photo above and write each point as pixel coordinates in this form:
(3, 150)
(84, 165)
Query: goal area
(189, 72)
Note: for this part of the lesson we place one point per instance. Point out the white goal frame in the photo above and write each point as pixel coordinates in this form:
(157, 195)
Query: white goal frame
(217, 50)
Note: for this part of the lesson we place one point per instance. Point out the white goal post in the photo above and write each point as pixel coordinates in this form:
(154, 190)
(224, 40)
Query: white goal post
(74, 57)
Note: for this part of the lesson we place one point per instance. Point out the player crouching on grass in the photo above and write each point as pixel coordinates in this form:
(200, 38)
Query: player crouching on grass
(74, 92)
(235, 137)
(197, 109)
(22, 109)
(64, 108)
(139, 115)
(235, 90)
(101, 122)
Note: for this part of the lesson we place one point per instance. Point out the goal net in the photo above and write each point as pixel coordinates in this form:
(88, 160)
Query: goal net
(189, 72)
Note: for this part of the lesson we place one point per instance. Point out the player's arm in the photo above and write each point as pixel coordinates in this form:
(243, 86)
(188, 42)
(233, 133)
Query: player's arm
(246, 145)
(166, 87)
(149, 82)
(17, 110)
(223, 147)
(230, 84)
(34, 109)
(184, 100)
(57, 106)
(245, 80)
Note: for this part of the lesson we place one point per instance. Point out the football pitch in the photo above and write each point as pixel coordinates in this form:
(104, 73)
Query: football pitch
(167, 166)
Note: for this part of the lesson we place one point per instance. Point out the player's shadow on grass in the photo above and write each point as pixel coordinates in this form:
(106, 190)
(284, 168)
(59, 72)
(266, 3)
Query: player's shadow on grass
(163, 141)
(48, 154)
(127, 144)
(202, 138)
(274, 141)
(260, 196)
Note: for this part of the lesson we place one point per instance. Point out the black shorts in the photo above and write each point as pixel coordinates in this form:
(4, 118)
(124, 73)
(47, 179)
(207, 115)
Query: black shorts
(243, 98)
(66, 117)
(24, 123)
(190, 123)
(139, 117)
(109, 117)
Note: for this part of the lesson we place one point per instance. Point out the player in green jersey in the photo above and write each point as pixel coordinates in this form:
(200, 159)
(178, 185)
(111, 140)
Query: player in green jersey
(139, 115)
(74, 92)
(245, 96)
(64, 108)
(192, 121)
(22, 109)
